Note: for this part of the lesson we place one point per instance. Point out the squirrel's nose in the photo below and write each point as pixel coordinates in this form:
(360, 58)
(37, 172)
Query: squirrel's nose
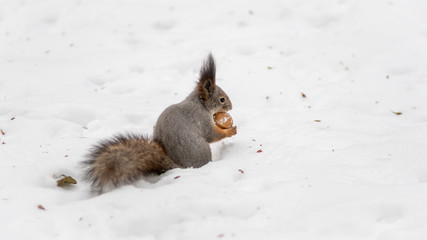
(230, 106)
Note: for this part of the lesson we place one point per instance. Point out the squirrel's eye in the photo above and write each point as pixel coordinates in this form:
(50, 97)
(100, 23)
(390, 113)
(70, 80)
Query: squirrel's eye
(222, 100)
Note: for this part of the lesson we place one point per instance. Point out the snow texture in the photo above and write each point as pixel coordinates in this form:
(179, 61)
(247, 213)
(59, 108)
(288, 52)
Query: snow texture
(329, 98)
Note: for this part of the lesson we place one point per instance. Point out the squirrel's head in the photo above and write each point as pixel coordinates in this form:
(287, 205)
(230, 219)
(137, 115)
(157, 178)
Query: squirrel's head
(212, 96)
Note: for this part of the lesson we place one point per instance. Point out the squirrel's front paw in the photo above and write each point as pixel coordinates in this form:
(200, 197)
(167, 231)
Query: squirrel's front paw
(230, 131)
(233, 131)
(223, 133)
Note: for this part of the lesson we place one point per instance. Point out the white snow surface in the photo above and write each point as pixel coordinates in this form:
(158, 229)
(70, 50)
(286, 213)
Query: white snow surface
(339, 163)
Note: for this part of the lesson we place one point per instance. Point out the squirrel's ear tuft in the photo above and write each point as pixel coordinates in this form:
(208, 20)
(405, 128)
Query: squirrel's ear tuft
(208, 69)
(206, 84)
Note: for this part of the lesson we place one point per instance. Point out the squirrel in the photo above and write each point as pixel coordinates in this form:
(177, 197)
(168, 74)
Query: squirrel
(180, 140)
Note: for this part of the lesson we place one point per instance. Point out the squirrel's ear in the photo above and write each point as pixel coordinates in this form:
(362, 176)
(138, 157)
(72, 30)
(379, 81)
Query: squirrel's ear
(206, 84)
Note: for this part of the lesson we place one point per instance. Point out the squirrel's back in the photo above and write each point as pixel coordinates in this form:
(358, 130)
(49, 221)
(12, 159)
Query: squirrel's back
(184, 129)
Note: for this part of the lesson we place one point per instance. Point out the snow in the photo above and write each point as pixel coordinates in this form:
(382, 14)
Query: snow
(338, 163)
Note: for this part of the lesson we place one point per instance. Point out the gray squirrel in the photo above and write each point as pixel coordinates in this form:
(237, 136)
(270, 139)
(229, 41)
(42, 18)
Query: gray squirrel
(180, 140)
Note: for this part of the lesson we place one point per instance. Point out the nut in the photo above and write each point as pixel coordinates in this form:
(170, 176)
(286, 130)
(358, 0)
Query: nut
(223, 120)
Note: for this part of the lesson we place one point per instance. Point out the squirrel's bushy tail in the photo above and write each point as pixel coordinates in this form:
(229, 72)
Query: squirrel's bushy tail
(123, 160)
